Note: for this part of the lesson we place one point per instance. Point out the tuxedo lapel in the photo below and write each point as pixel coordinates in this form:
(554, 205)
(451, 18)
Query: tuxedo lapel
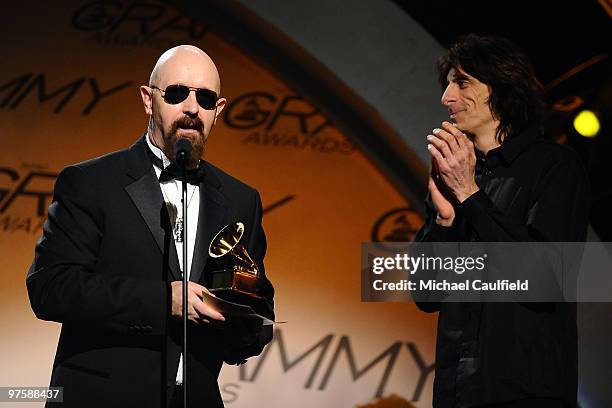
(146, 195)
(211, 219)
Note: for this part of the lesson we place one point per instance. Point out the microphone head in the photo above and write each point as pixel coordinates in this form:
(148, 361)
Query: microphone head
(182, 151)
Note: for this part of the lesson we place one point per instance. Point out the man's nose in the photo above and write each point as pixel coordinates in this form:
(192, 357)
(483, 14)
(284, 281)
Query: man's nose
(449, 96)
(190, 104)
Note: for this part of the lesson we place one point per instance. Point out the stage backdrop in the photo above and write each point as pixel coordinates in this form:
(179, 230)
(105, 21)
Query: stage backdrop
(69, 91)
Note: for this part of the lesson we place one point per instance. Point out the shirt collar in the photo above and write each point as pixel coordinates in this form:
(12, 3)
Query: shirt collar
(157, 152)
(511, 148)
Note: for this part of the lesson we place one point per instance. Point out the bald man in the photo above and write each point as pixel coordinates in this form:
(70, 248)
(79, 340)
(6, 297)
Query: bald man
(108, 265)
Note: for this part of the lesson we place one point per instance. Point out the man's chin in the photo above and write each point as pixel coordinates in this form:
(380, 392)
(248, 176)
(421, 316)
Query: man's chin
(197, 142)
(194, 136)
(458, 124)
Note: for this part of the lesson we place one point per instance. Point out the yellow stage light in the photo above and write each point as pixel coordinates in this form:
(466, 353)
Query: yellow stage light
(586, 123)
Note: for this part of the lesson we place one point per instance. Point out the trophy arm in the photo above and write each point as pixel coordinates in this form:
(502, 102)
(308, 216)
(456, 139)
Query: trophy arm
(240, 252)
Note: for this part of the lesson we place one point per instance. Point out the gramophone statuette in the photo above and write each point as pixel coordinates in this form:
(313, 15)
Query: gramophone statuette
(237, 283)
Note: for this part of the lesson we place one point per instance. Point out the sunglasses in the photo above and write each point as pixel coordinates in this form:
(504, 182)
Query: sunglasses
(174, 94)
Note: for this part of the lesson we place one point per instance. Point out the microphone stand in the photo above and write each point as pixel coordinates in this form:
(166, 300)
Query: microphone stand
(183, 154)
(185, 281)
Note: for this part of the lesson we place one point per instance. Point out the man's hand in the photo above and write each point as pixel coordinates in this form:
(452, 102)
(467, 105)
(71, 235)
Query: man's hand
(454, 159)
(446, 212)
(197, 310)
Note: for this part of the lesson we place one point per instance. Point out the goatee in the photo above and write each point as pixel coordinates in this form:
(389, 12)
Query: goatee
(197, 143)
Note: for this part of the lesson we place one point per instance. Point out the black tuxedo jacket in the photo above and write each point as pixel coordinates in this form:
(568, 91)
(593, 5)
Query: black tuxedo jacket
(103, 268)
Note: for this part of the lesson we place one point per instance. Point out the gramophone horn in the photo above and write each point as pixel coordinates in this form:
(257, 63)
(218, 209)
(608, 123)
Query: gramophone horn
(226, 240)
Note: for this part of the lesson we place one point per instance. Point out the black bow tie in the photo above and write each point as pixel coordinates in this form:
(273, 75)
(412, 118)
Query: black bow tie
(173, 172)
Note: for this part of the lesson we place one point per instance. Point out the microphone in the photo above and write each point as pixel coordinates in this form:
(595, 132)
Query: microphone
(182, 151)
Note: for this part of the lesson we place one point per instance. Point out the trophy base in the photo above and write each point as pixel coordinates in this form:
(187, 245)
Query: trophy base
(235, 286)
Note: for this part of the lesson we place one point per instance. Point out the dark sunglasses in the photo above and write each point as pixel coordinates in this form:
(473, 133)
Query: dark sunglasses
(174, 94)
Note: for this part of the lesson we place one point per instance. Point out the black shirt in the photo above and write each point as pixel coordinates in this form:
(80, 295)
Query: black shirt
(487, 353)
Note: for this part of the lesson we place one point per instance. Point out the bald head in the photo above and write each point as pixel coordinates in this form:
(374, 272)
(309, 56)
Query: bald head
(189, 115)
(186, 65)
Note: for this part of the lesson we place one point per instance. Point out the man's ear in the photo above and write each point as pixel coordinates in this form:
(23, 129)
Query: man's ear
(221, 102)
(147, 99)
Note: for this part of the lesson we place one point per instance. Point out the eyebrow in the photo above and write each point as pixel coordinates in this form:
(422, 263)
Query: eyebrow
(460, 77)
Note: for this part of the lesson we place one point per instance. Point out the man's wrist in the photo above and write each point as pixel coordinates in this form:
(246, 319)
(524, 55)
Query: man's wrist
(462, 196)
(444, 222)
